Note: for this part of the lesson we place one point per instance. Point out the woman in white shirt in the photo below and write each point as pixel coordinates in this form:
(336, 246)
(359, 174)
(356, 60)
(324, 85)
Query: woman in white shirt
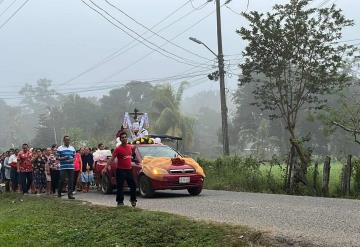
(7, 171)
(14, 175)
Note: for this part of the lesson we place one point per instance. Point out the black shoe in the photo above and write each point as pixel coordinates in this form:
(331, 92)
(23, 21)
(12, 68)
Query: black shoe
(59, 195)
(120, 204)
(71, 197)
(133, 204)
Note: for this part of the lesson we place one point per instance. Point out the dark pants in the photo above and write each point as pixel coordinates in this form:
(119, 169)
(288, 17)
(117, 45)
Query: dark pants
(2, 174)
(69, 173)
(14, 179)
(7, 185)
(55, 175)
(121, 176)
(26, 180)
(76, 176)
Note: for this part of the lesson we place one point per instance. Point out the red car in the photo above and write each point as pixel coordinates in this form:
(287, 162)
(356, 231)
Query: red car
(175, 177)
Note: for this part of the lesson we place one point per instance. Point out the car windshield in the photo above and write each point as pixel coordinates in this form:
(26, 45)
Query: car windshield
(158, 151)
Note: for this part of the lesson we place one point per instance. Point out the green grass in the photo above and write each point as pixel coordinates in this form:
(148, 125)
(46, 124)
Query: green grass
(241, 174)
(45, 221)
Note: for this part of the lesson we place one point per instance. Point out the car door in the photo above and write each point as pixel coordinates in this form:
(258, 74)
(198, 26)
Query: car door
(136, 165)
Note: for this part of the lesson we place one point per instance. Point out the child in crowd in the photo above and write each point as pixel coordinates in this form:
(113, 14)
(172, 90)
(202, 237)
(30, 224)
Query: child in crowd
(38, 162)
(87, 174)
(77, 167)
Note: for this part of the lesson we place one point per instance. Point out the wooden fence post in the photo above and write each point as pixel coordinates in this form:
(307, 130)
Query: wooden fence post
(326, 176)
(349, 172)
(315, 178)
(346, 176)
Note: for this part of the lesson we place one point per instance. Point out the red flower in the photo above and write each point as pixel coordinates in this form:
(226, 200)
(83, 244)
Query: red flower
(177, 161)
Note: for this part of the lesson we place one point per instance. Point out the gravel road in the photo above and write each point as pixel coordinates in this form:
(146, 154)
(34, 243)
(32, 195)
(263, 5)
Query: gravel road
(305, 221)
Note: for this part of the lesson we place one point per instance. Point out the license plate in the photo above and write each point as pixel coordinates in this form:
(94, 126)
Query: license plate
(184, 180)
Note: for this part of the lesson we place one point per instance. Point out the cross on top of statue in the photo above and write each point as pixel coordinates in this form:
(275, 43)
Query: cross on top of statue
(136, 114)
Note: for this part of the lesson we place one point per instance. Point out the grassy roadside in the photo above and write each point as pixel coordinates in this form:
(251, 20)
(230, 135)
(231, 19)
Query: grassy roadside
(235, 173)
(45, 221)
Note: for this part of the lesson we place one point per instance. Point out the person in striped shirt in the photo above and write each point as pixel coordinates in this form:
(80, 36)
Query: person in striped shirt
(66, 156)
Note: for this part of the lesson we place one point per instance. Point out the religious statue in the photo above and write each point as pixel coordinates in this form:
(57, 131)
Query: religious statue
(137, 126)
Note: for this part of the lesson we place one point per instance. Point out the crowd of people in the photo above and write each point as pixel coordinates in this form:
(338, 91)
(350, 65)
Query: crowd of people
(38, 170)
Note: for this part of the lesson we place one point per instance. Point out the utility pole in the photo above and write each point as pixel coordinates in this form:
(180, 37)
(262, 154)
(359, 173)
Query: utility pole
(224, 110)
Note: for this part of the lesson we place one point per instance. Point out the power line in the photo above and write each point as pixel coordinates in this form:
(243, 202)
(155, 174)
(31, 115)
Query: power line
(148, 54)
(140, 39)
(238, 13)
(323, 3)
(200, 7)
(11, 4)
(183, 74)
(178, 76)
(170, 57)
(116, 54)
(117, 84)
(121, 51)
(156, 34)
(11, 16)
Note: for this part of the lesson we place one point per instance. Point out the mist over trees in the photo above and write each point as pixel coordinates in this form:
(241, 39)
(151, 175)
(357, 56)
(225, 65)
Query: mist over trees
(297, 94)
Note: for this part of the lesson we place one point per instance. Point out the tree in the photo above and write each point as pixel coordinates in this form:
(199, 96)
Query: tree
(293, 58)
(39, 97)
(207, 129)
(125, 99)
(44, 132)
(345, 114)
(247, 121)
(168, 117)
(204, 107)
(14, 129)
(37, 101)
(206, 99)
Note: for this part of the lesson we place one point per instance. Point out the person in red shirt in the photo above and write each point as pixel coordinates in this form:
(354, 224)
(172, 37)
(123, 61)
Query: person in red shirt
(124, 153)
(24, 166)
(77, 167)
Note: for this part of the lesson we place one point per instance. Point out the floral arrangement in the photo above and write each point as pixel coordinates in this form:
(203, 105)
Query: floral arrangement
(144, 140)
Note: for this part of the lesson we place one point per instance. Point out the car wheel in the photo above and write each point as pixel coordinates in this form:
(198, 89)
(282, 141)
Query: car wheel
(106, 186)
(145, 187)
(195, 191)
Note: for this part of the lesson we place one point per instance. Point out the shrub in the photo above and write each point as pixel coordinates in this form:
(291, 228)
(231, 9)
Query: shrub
(233, 173)
(356, 175)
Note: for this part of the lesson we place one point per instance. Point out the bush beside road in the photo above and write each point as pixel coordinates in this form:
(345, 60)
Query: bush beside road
(236, 173)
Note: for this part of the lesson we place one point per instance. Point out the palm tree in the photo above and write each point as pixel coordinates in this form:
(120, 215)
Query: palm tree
(168, 117)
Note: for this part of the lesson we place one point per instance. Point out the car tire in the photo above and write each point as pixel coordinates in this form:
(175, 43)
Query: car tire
(106, 186)
(195, 191)
(145, 187)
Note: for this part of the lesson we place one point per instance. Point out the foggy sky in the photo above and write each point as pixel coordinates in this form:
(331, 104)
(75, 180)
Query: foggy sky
(58, 39)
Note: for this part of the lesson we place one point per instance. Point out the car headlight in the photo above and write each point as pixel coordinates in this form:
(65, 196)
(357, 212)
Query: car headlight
(159, 171)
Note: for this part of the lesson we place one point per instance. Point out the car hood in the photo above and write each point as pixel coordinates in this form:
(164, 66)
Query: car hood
(161, 165)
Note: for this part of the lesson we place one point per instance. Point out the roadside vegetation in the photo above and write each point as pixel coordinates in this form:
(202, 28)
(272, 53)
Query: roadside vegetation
(236, 173)
(48, 221)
